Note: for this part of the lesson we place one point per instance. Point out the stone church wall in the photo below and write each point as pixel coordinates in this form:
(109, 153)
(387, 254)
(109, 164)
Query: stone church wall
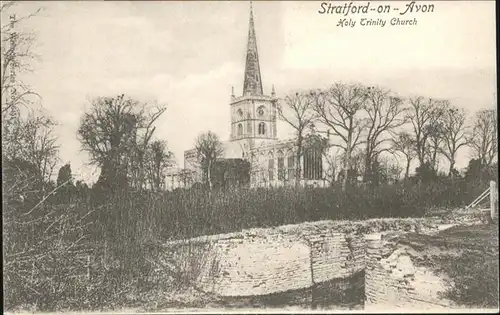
(315, 169)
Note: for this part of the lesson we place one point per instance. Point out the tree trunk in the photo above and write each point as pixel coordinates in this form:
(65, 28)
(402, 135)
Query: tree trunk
(434, 160)
(421, 154)
(298, 168)
(347, 160)
(209, 175)
(368, 167)
(346, 168)
(452, 166)
(407, 172)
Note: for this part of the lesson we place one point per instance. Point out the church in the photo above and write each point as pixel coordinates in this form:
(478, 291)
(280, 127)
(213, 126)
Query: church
(253, 137)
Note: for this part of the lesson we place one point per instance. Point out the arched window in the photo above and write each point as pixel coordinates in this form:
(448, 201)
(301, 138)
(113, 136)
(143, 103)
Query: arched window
(240, 129)
(291, 167)
(262, 128)
(262, 169)
(281, 166)
(313, 166)
(240, 113)
(271, 166)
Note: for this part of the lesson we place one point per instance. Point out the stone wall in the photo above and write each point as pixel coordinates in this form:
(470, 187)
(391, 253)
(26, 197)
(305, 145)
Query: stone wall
(393, 280)
(261, 266)
(271, 260)
(335, 255)
(395, 277)
(244, 265)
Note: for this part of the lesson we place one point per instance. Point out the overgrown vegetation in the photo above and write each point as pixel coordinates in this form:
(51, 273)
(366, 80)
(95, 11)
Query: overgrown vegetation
(468, 256)
(192, 213)
(87, 255)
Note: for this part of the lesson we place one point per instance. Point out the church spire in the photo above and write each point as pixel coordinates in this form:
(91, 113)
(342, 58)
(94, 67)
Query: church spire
(252, 84)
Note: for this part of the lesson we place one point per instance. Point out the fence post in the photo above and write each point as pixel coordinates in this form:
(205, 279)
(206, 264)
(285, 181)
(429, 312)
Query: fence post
(493, 200)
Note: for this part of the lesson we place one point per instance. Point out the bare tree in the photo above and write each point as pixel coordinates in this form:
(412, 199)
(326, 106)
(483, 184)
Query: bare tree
(299, 114)
(454, 134)
(116, 133)
(423, 116)
(393, 170)
(338, 108)
(483, 138)
(40, 147)
(385, 114)
(16, 58)
(32, 153)
(208, 149)
(157, 159)
(357, 166)
(404, 144)
(434, 145)
(333, 161)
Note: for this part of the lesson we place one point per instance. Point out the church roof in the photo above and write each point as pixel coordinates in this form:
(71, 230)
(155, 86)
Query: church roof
(252, 84)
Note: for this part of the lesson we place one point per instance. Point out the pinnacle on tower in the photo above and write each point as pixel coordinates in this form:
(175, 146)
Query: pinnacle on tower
(252, 84)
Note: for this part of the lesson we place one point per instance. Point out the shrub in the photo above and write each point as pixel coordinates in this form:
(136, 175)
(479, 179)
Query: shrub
(188, 213)
(90, 254)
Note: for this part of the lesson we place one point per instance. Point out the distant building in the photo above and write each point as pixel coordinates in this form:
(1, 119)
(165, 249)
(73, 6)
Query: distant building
(179, 178)
(253, 135)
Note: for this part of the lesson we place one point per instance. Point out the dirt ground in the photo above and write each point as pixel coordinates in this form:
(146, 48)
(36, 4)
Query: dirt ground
(467, 257)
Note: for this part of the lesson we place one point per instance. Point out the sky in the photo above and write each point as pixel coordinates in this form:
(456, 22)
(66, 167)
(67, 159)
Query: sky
(188, 55)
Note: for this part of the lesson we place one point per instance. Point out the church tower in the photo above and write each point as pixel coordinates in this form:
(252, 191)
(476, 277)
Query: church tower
(253, 115)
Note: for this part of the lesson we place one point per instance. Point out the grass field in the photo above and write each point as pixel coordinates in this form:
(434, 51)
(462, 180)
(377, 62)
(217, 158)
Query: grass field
(468, 256)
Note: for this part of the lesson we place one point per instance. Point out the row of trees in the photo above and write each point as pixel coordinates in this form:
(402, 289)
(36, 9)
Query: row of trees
(118, 133)
(371, 128)
(29, 147)
(369, 121)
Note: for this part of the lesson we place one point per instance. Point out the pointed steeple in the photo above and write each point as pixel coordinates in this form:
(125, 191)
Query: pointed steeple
(252, 84)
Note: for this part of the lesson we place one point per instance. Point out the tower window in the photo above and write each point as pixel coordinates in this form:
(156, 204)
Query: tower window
(240, 129)
(262, 128)
(240, 113)
(260, 111)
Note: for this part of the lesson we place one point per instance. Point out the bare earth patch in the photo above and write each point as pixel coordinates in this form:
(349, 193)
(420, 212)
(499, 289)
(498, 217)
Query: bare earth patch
(466, 257)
